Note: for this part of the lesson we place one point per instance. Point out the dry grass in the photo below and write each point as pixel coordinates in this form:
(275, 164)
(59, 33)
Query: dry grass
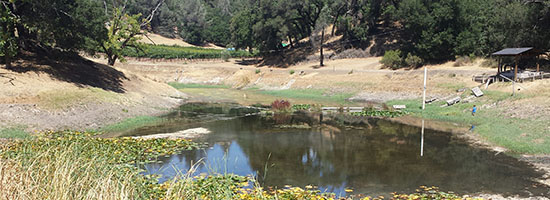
(63, 177)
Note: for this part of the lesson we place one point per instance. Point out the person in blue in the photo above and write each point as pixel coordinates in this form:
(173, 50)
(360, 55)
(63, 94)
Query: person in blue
(474, 110)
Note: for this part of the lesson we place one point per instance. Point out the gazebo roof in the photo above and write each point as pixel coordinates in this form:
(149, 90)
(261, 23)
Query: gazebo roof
(512, 51)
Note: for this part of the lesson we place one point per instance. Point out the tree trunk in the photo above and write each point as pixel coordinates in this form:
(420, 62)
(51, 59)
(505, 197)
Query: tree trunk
(290, 40)
(111, 60)
(7, 60)
(334, 25)
(321, 51)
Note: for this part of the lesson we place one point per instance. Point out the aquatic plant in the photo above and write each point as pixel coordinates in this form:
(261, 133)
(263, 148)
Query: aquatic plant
(429, 193)
(301, 107)
(280, 105)
(370, 112)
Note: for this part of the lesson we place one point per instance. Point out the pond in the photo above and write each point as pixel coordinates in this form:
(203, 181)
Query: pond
(377, 159)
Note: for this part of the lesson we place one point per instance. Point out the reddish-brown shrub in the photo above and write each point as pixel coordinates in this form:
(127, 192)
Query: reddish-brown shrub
(280, 105)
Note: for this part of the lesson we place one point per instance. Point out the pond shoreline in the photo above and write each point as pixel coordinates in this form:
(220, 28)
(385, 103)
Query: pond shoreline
(540, 162)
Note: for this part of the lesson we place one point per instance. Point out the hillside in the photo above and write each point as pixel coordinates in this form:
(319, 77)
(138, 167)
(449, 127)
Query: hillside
(77, 93)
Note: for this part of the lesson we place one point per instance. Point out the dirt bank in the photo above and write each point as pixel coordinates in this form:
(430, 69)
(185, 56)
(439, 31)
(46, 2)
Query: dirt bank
(79, 95)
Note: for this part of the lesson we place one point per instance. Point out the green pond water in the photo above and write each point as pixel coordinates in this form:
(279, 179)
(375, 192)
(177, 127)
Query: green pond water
(377, 159)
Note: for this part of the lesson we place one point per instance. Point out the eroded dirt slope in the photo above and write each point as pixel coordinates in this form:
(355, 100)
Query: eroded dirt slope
(77, 94)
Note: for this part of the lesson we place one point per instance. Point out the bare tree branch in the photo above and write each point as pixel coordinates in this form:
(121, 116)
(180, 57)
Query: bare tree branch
(124, 6)
(105, 5)
(150, 17)
(149, 39)
(10, 79)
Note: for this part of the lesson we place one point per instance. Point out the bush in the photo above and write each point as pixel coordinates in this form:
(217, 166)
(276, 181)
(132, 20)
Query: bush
(392, 59)
(291, 72)
(258, 71)
(492, 63)
(413, 61)
(462, 60)
(280, 105)
(225, 55)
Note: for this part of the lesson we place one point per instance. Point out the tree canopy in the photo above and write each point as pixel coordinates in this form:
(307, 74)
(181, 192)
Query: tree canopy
(433, 30)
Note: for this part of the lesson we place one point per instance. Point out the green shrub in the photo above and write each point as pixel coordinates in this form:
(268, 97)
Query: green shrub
(413, 61)
(258, 71)
(225, 55)
(392, 59)
(291, 72)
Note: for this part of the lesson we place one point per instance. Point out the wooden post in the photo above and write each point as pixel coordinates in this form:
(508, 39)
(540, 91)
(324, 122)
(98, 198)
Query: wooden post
(516, 69)
(424, 95)
(538, 64)
(499, 70)
(321, 50)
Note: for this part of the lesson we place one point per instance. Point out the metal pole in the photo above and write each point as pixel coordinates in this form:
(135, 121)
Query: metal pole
(424, 95)
(422, 140)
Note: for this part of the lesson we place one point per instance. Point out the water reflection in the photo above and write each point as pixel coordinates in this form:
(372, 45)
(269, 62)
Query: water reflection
(375, 161)
(422, 140)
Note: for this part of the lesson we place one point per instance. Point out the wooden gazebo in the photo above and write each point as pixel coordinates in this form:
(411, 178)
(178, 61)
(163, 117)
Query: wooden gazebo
(517, 53)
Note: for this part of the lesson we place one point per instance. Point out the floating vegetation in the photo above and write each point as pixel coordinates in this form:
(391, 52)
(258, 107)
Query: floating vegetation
(301, 107)
(379, 113)
(429, 193)
(114, 150)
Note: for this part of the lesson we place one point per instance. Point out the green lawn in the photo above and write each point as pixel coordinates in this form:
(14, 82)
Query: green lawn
(518, 135)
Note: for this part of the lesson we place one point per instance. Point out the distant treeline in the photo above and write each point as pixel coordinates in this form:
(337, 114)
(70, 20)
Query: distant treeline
(433, 30)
